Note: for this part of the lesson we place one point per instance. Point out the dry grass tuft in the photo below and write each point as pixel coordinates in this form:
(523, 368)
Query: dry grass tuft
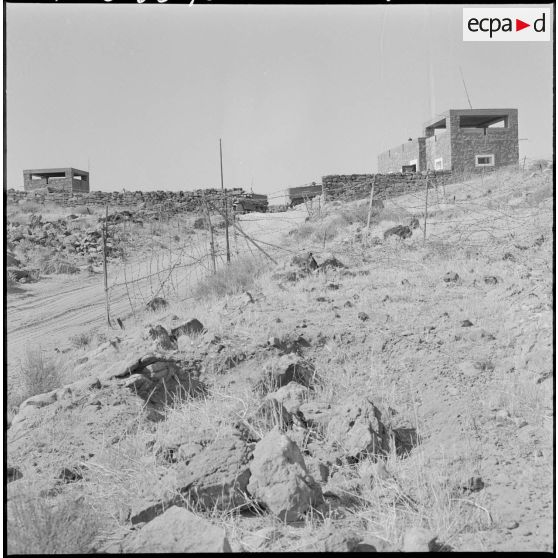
(234, 278)
(35, 526)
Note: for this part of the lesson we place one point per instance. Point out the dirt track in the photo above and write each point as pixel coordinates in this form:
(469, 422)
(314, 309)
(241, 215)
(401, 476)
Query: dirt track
(49, 312)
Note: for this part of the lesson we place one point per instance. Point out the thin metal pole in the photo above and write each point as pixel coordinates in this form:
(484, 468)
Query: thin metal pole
(226, 205)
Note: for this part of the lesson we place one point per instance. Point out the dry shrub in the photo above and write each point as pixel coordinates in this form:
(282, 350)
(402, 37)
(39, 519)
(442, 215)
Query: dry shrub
(236, 277)
(81, 340)
(36, 526)
(37, 374)
(46, 260)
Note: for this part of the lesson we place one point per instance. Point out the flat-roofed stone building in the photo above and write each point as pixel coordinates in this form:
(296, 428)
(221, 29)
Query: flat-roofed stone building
(459, 140)
(56, 180)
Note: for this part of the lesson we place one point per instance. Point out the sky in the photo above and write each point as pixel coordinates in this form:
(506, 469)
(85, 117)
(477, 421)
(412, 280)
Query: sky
(140, 94)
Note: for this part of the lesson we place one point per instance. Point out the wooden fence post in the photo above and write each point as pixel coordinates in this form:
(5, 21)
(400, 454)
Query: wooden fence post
(104, 229)
(211, 240)
(425, 211)
(370, 206)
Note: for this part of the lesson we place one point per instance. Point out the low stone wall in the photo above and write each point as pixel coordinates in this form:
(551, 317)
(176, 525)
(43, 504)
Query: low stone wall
(182, 200)
(357, 186)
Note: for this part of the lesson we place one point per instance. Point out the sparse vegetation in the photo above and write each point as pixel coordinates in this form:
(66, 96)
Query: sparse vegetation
(459, 370)
(236, 277)
(35, 526)
(38, 374)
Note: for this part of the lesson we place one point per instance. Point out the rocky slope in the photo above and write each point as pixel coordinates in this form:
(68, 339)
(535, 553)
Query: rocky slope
(387, 395)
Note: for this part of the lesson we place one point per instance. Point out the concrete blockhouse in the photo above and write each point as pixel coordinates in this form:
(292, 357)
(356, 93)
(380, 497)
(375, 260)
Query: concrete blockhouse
(56, 180)
(458, 140)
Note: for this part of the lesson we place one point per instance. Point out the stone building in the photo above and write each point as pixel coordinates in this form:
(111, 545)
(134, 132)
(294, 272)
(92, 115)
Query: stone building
(56, 180)
(458, 140)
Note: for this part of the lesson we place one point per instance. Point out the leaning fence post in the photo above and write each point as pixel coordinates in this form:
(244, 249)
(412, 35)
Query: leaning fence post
(370, 206)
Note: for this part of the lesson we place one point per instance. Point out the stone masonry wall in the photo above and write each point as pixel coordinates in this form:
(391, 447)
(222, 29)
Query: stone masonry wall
(438, 146)
(393, 159)
(168, 201)
(357, 186)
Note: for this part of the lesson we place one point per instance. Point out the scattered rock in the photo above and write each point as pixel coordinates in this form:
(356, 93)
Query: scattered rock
(509, 256)
(331, 262)
(280, 480)
(177, 531)
(156, 304)
(490, 279)
(474, 334)
(451, 277)
(357, 429)
(401, 231)
(474, 484)
(419, 539)
(68, 475)
(304, 262)
(217, 477)
(466, 323)
(190, 327)
(280, 371)
(292, 396)
(363, 316)
(161, 337)
(373, 544)
(317, 469)
(348, 304)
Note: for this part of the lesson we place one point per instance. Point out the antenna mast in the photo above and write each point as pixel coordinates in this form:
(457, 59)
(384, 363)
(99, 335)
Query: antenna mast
(465, 86)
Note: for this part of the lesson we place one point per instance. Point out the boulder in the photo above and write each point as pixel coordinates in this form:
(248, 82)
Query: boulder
(279, 480)
(177, 531)
(356, 428)
(217, 477)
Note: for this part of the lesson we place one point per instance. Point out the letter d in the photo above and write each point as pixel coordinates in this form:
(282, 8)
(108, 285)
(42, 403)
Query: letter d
(541, 20)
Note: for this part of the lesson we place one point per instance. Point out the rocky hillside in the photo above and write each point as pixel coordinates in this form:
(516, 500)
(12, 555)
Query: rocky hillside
(381, 393)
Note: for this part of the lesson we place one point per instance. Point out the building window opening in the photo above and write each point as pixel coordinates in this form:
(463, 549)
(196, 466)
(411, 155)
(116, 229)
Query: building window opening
(484, 160)
(439, 164)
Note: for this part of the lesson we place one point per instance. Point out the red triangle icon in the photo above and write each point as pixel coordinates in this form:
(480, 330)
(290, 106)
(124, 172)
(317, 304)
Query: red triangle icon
(519, 25)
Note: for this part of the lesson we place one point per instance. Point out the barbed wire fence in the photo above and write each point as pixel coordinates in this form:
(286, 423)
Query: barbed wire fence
(177, 253)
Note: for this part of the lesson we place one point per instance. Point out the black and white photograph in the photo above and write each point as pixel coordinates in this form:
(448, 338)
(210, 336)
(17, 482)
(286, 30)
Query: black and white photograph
(279, 277)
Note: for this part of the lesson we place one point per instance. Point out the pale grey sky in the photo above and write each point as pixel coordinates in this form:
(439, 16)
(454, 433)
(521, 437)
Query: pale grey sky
(144, 92)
